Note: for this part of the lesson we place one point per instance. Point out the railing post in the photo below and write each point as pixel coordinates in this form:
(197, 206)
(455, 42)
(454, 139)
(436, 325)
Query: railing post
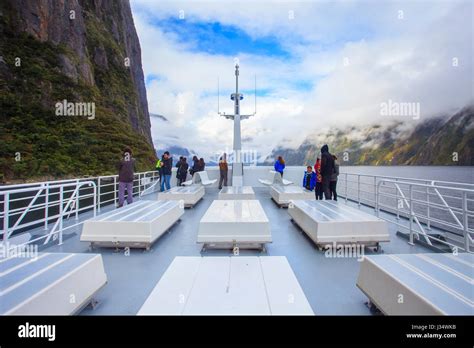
(375, 190)
(397, 202)
(77, 200)
(95, 199)
(346, 187)
(46, 207)
(428, 213)
(139, 182)
(411, 215)
(61, 198)
(6, 217)
(115, 192)
(98, 194)
(464, 215)
(358, 190)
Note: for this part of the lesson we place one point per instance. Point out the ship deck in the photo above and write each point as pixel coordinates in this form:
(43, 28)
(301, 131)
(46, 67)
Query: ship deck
(328, 283)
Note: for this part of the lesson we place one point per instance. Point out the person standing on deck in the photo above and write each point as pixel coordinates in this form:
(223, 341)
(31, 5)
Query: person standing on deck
(309, 179)
(327, 169)
(195, 166)
(333, 183)
(179, 161)
(182, 171)
(177, 168)
(166, 169)
(126, 169)
(223, 169)
(158, 168)
(318, 190)
(201, 165)
(279, 165)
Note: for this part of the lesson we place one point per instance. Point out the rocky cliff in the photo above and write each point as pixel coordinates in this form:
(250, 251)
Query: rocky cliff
(75, 52)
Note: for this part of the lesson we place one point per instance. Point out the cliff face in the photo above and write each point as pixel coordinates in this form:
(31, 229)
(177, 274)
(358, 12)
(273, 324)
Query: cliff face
(82, 51)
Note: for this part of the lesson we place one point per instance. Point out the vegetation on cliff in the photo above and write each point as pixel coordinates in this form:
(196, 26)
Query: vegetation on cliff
(36, 143)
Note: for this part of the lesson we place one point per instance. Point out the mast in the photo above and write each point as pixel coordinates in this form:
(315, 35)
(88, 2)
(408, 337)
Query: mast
(237, 135)
(237, 165)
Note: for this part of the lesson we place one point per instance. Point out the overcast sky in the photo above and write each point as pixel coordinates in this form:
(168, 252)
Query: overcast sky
(318, 64)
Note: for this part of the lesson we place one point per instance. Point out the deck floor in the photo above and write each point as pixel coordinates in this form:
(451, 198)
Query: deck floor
(328, 283)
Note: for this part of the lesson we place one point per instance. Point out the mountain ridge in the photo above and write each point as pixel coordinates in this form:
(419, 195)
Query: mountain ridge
(435, 141)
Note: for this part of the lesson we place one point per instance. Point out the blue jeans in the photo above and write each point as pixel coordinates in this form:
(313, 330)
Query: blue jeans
(165, 180)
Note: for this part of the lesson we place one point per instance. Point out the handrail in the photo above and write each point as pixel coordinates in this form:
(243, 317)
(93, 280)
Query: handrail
(52, 194)
(151, 188)
(410, 206)
(7, 233)
(62, 181)
(410, 179)
(425, 185)
(361, 188)
(73, 198)
(72, 201)
(460, 226)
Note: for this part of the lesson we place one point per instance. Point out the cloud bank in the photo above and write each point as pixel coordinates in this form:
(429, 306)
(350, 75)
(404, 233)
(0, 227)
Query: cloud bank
(318, 64)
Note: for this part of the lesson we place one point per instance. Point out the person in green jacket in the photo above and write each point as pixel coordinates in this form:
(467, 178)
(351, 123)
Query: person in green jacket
(158, 167)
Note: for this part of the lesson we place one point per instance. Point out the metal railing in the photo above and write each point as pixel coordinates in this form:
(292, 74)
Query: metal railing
(66, 197)
(425, 204)
(362, 187)
(46, 205)
(447, 207)
(415, 227)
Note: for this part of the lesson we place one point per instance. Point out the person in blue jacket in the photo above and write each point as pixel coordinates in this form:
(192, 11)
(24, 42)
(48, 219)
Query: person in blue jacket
(279, 165)
(309, 179)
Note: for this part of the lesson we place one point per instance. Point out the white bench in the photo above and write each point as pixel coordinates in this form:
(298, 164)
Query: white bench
(136, 225)
(240, 285)
(200, 178)
(190, 195)
(282, 195)
(332, 222)
(236, 192)
(234, 223)
(431, 284)
(50, 283)
(274, 178)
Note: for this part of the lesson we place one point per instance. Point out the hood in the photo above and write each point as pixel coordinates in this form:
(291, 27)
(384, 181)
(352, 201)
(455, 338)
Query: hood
(324, 149)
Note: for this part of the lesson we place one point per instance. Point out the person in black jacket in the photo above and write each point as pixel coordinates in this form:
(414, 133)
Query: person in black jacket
(166, 168)
(177, 168)
(335, 174)
(182, 171)
(202, 165)
(195, 166)
(327, 169)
